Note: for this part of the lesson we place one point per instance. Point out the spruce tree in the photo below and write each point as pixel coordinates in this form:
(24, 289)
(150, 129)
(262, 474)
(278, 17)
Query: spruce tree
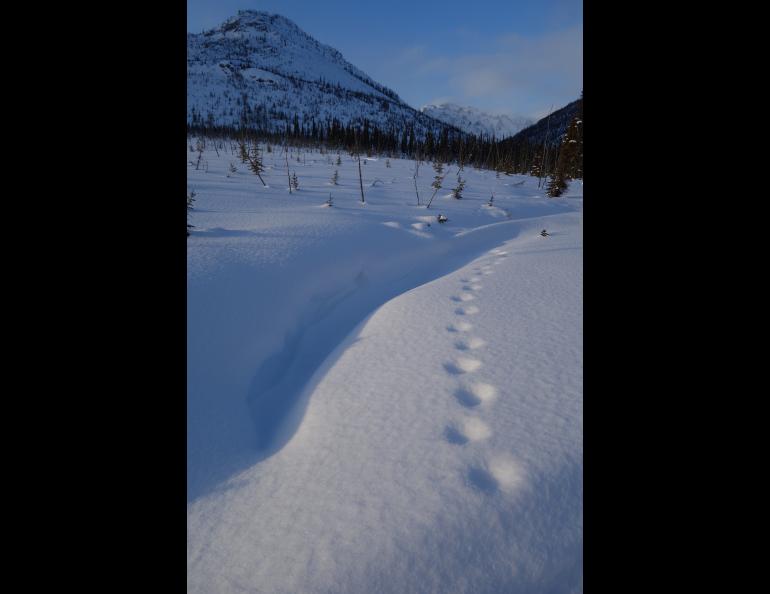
(254, 160)
(335, 177)
(457, 192)
(570, 161)
(438, 167)
(190, 200)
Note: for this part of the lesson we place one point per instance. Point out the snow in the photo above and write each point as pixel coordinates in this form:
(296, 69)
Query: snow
(377, 402)
(266, 61)
(478, 122)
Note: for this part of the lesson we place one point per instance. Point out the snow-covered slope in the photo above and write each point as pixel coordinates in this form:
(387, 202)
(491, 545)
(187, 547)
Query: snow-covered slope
(378, 402)
(552, 127)
(263, 67)
(476, 121)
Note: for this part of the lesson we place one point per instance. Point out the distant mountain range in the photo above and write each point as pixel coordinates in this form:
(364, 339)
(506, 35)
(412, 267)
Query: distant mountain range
(475, 121)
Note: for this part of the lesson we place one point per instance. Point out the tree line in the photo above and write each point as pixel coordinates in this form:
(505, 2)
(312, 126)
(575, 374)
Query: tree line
(559, 158)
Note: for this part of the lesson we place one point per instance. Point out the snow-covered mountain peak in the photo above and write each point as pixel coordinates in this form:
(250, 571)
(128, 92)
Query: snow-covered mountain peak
(261, 68)
(476, 121)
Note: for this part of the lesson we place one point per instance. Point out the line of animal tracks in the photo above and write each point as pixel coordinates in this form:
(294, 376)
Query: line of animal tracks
(476, 396)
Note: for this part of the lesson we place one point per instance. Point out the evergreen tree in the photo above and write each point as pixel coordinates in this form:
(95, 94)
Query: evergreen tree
(569, 164)
(438, 167)
(295, 181)
(253, 159)
(335, 177)
(190, 200)
(243, 151)
(457, 191)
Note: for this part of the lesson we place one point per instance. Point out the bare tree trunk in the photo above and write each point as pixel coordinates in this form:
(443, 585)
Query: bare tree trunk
(547, 130)
(360, 179)
(287, 167)
(416, 171)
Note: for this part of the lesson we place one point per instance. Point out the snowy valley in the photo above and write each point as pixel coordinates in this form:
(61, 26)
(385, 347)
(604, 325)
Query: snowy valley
(379, 402)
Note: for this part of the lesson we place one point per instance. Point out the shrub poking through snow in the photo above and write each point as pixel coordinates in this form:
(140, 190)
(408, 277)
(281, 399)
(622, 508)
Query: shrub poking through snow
(442, 219)
(294, 181)
(335, 177)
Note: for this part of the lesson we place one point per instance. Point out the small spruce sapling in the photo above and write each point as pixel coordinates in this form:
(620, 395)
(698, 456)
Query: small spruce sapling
(254, 160)
(457, 192)
(335, 177)
(190, 200)
(439, 169)
(199, 146)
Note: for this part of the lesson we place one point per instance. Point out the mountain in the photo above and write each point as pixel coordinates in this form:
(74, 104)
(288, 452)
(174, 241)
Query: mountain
(475, 121)
(551, 127)
(262, 68)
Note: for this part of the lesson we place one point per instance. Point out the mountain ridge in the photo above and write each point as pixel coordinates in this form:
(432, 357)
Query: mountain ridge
(476, 121)
(261, 70)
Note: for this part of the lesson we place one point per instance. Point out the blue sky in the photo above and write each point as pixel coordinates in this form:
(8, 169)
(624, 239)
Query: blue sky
(519, 57)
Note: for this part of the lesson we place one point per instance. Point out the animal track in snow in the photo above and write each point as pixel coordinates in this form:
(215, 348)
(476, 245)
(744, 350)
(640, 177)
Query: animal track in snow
(473, 394)
(454, 436)
(462, 365)
(467, 310)
(463, 297)
(468, 429)
(460, 327)
(482, 480)
(500, 473)
(470, 344)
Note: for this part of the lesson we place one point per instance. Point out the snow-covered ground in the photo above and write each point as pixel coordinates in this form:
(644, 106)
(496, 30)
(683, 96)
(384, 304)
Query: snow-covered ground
(378, 402)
